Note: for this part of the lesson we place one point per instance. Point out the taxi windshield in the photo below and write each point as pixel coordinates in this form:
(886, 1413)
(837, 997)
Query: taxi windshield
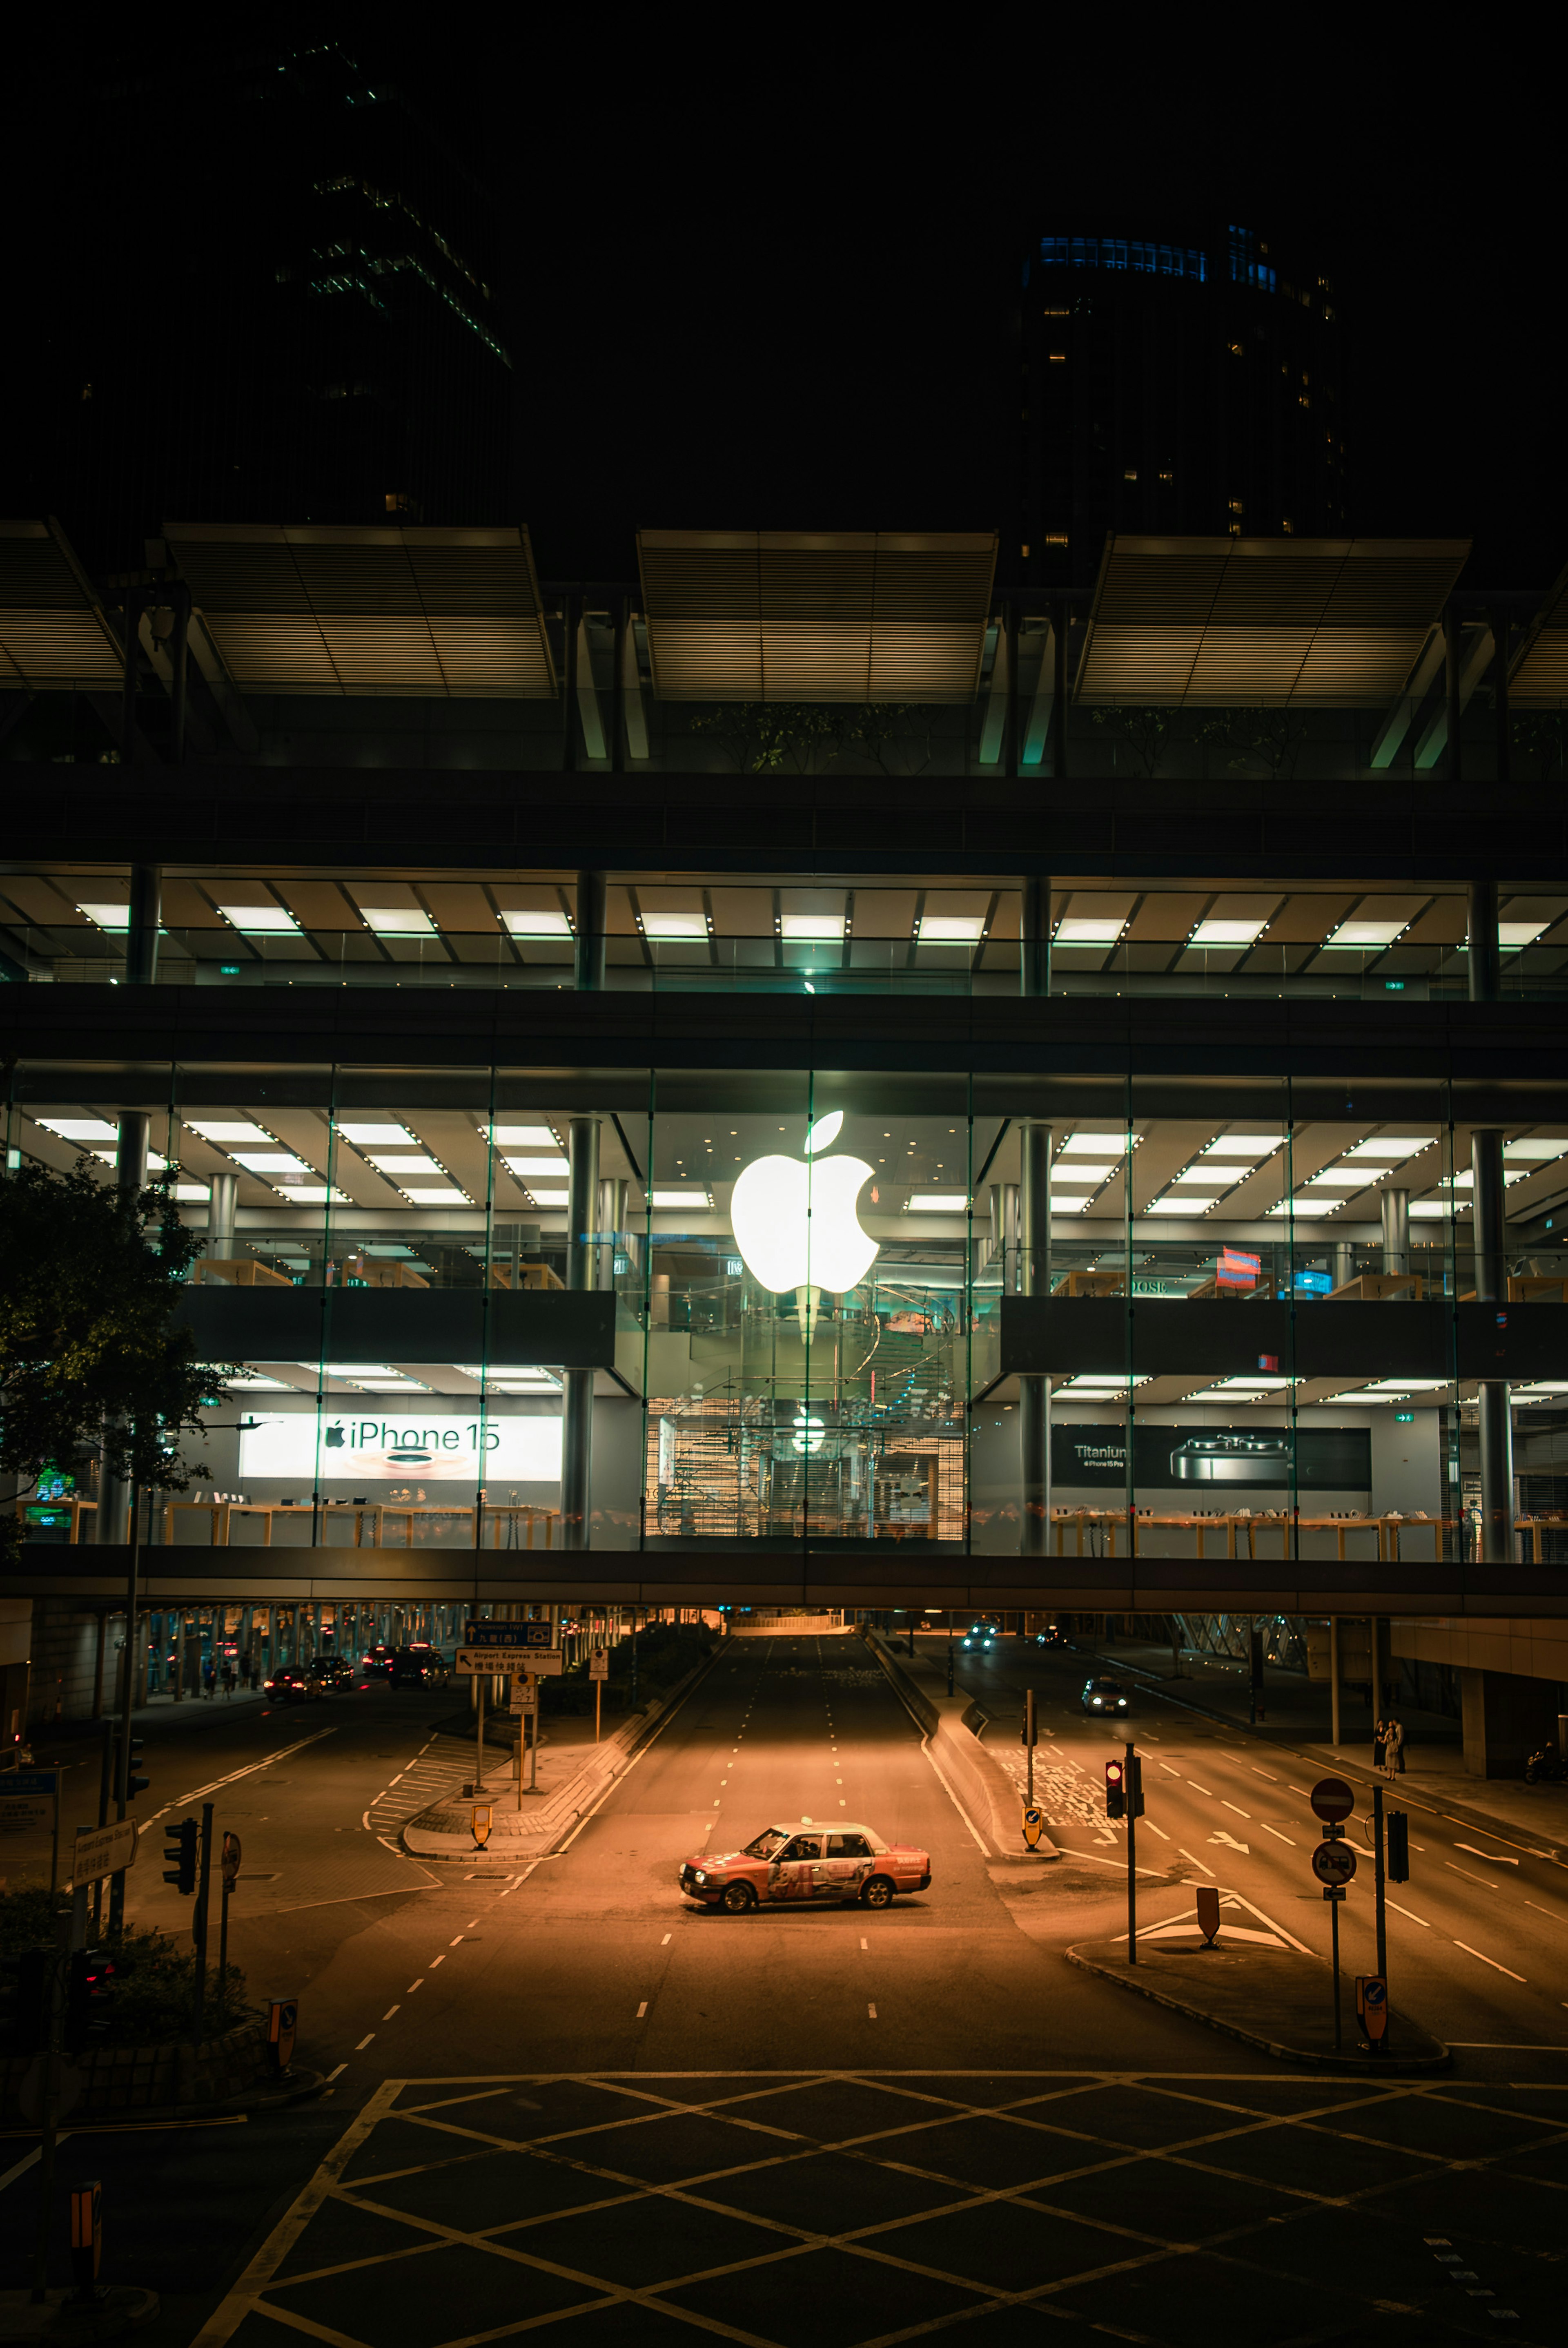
(766, 1843)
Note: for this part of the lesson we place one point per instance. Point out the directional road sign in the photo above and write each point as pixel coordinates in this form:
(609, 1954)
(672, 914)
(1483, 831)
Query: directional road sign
(1333, 1862)
(1372, 2004)
(1208, 1902)
(1033, 1823)
(1332, 1800)
(103, 1851)
(483, 1662)
(525, 1696)
(510, 1634)
(30, 1781)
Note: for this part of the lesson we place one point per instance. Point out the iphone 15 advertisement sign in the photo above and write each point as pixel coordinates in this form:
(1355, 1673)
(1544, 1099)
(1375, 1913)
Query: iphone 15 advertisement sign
(366, 1446)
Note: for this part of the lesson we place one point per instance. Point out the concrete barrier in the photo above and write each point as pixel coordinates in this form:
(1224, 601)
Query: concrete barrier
(976, 1779)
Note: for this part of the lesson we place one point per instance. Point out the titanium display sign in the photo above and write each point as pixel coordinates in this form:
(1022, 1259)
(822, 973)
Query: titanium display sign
(1195, 1459)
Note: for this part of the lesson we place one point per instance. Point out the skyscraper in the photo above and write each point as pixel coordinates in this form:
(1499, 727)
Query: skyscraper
(1186, 387)
(295, 319)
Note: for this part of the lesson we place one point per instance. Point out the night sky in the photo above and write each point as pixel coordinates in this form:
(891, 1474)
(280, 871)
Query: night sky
(751, 289)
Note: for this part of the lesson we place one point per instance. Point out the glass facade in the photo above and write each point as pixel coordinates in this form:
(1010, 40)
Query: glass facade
(671, 1309)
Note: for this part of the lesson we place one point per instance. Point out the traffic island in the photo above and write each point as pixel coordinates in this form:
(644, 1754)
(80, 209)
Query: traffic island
(65, 2315)
(1258, 1985)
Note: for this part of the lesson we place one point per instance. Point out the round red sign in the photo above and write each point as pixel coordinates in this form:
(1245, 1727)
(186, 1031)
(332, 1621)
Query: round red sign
(1333, 1862)
(1333, 1799)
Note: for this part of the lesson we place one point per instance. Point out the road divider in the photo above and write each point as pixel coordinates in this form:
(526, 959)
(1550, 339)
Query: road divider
(980, 1788)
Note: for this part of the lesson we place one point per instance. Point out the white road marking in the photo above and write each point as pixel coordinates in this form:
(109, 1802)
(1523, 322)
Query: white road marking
(1264, 1773)
(871, 2010)
(1488, 1960)
(1155, 1829)
(1411, 1914)
(1201, 1789)
(1239, 1811)
(1543, 1911)
(664, 1943)
(866, 1944)
(388, 2015)
(452, 1944)
(1280, 1837)
(643, 2009)
(337, 2074)
(1469, 1877)
(1196, 1860)
(438, 1961)
(413, 1986)
(252, 1767)
(365, 2042)
(1493, 1858)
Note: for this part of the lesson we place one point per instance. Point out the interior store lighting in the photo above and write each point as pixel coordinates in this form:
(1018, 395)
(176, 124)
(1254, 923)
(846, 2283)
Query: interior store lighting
(1364, 937)
(435, 1194)
(398, 922)
(228, 1134)
(938, 1202)
(951, 929)
(421, 1162)
(810, 927)
(674, 925)
(539, 926)
(261, 920)
(1090, 929)
(1508, 934)
(526, 1165)
(80, 1128)
(673, 1198)
(1196, 1202)
(1540, 1146)
(520, 1136)
(1097, 1145)
(1396, 1146)
(1226, 933)
(373, 1137)
(1303, 1209)
(271, 1161)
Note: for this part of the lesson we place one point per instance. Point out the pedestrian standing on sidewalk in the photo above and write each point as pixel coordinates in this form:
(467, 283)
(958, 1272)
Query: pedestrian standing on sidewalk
(228, 1677)
(1379, 1742)
(1394, 1748)
(209, 1679)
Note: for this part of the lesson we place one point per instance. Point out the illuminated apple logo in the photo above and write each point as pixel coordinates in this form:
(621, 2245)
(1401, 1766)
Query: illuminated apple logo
(794, 1221)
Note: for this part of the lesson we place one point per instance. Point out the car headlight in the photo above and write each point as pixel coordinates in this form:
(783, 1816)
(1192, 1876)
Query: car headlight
(702, 1876)
(1098, 1701)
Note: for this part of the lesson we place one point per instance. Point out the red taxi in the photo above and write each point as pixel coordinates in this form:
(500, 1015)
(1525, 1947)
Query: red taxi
(806, 1865)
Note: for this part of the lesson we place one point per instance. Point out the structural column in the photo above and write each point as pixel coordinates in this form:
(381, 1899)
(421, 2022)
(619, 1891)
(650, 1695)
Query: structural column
(581, 1270)
(1034, 1392)
(590, 917)
(130, 1174)
(1484, 970)
(220, 1216)
(1034, 938)
(1494, 1411)
(141, 936)
(1397, 1232)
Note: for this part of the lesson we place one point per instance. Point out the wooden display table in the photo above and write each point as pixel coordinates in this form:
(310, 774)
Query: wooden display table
(1380, 1287)
(240, 1271)
(523, 1519)
(529, 1275)
(1092, 1284)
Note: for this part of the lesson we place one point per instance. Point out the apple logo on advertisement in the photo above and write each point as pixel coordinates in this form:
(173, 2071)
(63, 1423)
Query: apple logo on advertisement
(334, 1436)
(794, 1220)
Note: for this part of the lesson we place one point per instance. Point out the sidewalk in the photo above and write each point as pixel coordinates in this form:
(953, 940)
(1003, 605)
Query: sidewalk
(1299, 1719)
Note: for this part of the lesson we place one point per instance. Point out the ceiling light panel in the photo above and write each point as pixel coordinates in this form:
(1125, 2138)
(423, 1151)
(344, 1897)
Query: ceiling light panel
(1097, 1145)
(377, 1137)
(1364, 937)
(527, 1166)
(225, 1136)
(398, 922)
(261, 920)
(538, 926)
(1392, 1146)
(272, 1161)
(807, 926)
(1089, 929)
(80, 1128)
(674, 925)
(951, 929)
(1226, 933)
(420, 1162)
(520, 1136)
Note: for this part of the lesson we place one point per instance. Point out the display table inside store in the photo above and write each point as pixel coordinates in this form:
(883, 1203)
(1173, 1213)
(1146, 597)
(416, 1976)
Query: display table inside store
(508, 1525)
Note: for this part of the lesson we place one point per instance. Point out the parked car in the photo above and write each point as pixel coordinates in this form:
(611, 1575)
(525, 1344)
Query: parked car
(806, 1866)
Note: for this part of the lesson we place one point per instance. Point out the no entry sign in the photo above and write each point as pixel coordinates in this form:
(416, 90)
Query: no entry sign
(1332, 1800)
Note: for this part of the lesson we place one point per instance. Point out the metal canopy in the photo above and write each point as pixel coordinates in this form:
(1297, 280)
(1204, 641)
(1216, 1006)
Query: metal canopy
(293, 608)
(1540, 671)
(816, 615)
(53, 631)
(1281, 623)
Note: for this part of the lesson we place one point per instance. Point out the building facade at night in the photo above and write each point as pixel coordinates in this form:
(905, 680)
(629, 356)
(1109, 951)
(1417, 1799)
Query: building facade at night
(793, 1082)
(1192, 388)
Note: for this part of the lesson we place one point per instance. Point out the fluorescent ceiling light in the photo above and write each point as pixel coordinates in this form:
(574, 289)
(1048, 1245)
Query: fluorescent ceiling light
(1303, 1208)
(1345, 1177)
(1508, 934)
(398, 922)
(1433, 1209)
(507, 1370)
(548, 1197)
(1071, 1203)
(538, 926)
(938, 1202)
(309, 1194)
(1250, 1149)
(1537, 1145)
(520, 1136)
(811, 925)
(1094, 1382)
(1194, 1205)
(521, 1386)
(1074, 1175)
(359, 1370)
(435, 1194)
(253, 1383)
(1090, 930)
(1226, 933)
(1206, 1177)
(155, 1164)
(672, 1198)
(674, 925)
(1465, 1182)
(1539, 1390)
(1393, 1146)
(419, 1163)
(192, 1191)
(226, 1135)
(261, 920)
(1405, 1385)
(272, 1161)
(1364, 936)
(370, 1137)
(1251, 1385)
(525, 1166)
(80, 1128)
(107, 917)
(951, 929)
(1096, 1145)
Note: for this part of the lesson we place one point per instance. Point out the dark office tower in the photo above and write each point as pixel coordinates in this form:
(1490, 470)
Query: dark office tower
(282, 309)
(1173, 388)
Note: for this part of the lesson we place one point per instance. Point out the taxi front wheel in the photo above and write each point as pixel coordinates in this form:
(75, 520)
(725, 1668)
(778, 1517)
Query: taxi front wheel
(738, 1898)
(877, 1892)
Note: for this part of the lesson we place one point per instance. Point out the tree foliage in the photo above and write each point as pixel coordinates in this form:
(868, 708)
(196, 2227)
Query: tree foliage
(90, 1277)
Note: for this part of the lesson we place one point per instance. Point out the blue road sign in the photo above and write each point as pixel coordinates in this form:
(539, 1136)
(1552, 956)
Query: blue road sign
(30, 1781)
(510, 1634)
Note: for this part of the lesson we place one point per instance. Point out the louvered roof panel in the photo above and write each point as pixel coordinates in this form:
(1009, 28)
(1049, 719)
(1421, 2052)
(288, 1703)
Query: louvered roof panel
(53, 631)
(310, 608)
(816, 615)
(1280, 621)
(1540, 671)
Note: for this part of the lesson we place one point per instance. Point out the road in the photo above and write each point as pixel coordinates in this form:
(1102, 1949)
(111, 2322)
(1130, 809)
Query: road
(564, 2096)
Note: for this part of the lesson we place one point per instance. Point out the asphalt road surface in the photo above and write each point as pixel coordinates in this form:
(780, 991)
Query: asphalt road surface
(563, 2096)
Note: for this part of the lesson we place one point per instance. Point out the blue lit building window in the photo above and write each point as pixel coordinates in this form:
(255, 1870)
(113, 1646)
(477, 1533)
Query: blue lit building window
(1122, 252)
(1245, 267)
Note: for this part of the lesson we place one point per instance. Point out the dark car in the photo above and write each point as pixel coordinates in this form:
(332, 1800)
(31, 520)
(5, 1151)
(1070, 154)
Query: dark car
(1051, 1638)
(288, 1685)
(420, 1665)
(330, 1672)
(1106, 1697)
(982, 1638)
(377, 1661)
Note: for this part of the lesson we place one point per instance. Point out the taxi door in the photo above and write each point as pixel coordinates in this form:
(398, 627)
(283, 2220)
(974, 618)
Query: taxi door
(795, 1873)
(845, 1866)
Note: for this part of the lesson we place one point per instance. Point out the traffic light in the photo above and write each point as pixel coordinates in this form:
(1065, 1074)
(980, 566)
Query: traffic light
(89, 1984)
(181, 1848)
(1398, 1847)
(133, 1784)
(1115, 1790)
(25, 1985)
(1135, 1788)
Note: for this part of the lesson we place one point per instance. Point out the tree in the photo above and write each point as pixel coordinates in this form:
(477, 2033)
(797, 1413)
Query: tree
(1265, 737)
(90, 1277)
(1145, 729)
(763, 738)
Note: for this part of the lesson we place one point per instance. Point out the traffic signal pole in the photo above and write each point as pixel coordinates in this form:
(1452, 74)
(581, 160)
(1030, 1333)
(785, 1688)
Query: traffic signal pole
(1131, 1783)
(199, 1923)
(127, 1703)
